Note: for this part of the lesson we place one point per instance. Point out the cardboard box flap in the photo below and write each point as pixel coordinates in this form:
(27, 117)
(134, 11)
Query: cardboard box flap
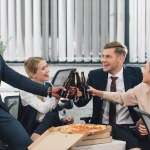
(97, 136)
(95, 141)
(55, 140)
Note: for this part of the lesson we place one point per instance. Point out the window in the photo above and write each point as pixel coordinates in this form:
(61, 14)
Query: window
(74, 30)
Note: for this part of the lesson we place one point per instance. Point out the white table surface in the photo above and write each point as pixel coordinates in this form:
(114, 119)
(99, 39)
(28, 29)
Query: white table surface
(114, 145)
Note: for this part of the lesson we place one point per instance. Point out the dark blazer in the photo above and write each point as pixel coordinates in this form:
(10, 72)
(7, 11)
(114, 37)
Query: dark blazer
(27, 115)
(98, 79)
(19, 81)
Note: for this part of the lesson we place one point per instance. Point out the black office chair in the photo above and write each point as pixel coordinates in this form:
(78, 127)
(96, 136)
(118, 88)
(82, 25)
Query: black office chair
(58, 80)
(86, 119)
(60, 76)
(145, 118)
(12, 102)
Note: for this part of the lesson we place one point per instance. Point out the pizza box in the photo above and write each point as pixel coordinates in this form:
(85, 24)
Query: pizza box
(90, 133)
(95, 141)
(97, 138)
(100, 133)
(94, 134)
(55, 140)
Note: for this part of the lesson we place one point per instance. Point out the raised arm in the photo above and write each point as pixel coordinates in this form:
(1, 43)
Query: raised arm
(124, 98)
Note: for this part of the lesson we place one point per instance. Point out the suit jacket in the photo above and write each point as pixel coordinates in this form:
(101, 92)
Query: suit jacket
(19, 81)
(98, 79)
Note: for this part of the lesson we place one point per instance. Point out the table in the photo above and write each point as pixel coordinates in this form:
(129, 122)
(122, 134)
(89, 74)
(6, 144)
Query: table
(114, 145)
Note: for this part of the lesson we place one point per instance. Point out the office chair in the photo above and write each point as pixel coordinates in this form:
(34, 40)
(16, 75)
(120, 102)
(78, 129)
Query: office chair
(60, 76)
(86, 119)
(12, 102)
(58, 80)
(145, 118)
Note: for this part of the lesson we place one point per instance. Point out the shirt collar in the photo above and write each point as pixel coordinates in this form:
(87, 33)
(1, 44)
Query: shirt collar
(119, 74)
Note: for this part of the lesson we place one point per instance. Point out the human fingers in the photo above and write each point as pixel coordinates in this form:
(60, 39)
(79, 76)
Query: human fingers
(142, 129)
(70, 119)
(56, 90)
(79, 93)
(92, 91)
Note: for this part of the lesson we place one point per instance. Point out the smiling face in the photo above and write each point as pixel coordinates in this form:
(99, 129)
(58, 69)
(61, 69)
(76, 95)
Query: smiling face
(113, 57)
(37, 69)
(146, 73)
(111, 61)
(42, 73)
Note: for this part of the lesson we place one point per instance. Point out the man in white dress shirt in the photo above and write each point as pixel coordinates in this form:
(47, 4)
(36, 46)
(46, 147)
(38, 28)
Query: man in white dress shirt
(113, 57)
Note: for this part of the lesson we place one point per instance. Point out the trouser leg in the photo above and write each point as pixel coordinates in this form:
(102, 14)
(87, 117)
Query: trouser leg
(51, 119)
(124, 133)
(12, 132)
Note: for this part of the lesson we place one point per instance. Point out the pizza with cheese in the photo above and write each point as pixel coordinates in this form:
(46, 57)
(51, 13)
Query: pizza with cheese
(82, 128)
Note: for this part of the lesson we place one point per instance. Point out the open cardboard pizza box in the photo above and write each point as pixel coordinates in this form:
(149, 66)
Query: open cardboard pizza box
(97, 138)
(53, 139)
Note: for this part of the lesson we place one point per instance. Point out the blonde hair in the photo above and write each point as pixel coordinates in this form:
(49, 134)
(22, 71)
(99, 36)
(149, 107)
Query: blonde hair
(120, 49)
(31, 64)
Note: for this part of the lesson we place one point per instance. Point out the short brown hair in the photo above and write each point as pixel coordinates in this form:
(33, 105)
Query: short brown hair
(119, 47)
(30, 65)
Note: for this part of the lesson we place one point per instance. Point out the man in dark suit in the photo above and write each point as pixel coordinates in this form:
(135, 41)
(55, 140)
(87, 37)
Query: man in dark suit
(11, 131)
(113, 57)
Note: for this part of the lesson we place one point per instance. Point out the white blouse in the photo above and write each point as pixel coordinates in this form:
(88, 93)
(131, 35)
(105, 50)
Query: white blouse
(48, 104)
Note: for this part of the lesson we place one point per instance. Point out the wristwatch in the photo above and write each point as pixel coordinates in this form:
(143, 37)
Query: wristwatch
(50, 92)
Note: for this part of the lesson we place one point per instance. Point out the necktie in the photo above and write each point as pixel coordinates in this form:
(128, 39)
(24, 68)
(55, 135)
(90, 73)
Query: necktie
(112, 108)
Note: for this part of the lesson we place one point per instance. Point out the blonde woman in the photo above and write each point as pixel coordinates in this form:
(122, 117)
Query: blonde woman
(11, 131)
(37, 113)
